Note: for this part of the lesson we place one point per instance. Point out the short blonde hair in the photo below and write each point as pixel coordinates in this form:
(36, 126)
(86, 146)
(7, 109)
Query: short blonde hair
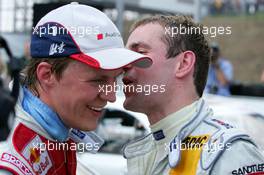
(29, 72)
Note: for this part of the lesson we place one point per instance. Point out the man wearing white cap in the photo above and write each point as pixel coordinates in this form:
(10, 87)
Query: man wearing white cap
(75, 49)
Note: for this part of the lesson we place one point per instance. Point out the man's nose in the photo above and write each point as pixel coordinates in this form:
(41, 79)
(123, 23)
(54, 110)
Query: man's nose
(127, 68)
(111, 97)
(109, 94)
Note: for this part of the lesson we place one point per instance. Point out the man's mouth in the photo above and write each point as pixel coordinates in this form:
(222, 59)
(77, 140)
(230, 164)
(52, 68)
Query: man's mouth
(130, 84)
(127, 80)
(96, 109)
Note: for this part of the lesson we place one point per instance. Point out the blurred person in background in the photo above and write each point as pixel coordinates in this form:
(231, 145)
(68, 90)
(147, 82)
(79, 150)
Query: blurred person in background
(262, 77)
(186, 138)
(4, 128)
(26, 55)
(60, 90)
(4, 72)
(2, 68)
(6, 100)
(220, 73)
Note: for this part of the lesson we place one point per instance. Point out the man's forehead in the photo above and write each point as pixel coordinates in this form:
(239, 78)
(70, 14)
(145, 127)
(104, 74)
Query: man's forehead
(136, 44)
(149, 29)
(143, 35)
(86, 70)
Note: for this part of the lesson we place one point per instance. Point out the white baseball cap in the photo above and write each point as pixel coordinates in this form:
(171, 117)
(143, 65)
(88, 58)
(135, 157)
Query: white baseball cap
(85, 34)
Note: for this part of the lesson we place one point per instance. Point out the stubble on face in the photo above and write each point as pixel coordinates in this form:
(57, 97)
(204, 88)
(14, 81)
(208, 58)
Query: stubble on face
(146, 39)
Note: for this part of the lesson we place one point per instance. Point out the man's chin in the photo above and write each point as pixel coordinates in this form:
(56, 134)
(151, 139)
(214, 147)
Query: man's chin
(126, 104)
(91, 126)
(87, 128)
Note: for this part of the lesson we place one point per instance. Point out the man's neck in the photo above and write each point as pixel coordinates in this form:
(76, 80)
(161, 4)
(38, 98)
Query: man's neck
(158, 114)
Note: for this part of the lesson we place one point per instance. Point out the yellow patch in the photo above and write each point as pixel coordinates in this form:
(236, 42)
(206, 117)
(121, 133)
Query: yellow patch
(190, 155)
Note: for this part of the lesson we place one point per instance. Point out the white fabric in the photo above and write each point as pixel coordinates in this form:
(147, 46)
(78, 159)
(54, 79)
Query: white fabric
(146, 156)
(118, 57)
(85, 23)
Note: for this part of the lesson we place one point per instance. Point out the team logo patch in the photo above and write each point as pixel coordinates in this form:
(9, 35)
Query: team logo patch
(100, 36)
(37, 157)
(228, 126)
(16, 162)
(256, 169)
(192, 142)
(158, 135)
(188, 160)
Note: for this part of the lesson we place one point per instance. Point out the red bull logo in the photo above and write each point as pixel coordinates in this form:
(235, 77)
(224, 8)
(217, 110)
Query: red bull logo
(34, 155)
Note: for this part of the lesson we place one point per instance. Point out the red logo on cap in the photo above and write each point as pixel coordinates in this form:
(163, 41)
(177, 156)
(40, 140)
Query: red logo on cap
(100, 36)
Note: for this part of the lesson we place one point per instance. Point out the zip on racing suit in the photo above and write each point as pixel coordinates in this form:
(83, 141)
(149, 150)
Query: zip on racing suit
(191, 141)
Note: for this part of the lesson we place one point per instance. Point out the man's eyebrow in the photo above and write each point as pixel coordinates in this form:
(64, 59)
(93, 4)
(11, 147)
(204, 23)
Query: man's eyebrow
(104, 77)
(139, 44)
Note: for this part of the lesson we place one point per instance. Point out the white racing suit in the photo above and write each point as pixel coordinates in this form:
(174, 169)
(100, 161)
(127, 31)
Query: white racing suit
(23, 152)
(191, 141)
(31, 150)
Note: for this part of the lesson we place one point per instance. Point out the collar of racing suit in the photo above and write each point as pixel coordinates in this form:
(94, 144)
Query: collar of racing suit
(85, 138)
(166, 129)
(44, 116)
(173, 128)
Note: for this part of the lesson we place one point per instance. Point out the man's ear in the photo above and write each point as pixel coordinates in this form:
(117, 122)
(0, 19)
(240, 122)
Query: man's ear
(44, 74)
(185, 64)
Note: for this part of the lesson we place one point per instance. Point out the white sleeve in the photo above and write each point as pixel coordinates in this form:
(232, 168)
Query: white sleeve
(240, 158)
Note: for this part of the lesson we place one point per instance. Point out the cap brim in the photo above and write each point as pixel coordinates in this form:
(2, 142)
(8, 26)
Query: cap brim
(114, 58)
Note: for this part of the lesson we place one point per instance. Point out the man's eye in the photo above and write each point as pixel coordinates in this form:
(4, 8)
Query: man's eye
(142, 51)
(98, 81)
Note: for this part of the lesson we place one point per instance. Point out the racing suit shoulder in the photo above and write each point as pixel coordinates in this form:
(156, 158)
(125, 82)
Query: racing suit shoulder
(30, 150)
(227, 143)
(240, 158)
(11, 162)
